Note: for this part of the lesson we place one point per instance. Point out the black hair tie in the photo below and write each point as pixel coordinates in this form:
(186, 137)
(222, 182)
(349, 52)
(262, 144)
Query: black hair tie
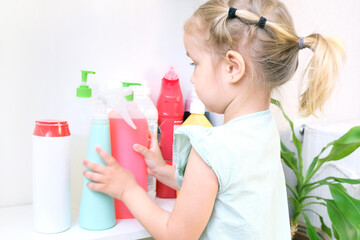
(231, 13)
(262, 22)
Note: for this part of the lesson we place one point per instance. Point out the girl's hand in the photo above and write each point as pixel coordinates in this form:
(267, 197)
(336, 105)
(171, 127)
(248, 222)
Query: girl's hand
(111, 179)
(153, 157)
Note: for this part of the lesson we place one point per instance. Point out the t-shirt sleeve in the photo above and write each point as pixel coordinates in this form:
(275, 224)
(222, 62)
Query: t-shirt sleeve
(203, 140)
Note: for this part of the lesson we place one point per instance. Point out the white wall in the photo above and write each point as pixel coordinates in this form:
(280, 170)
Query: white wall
(45, 44)
(330, 18)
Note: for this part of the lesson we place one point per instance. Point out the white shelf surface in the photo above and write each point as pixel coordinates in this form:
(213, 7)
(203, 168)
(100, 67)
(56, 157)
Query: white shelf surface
(17, 223)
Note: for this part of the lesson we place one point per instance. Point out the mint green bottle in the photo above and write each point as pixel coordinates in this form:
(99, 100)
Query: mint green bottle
(97, 211)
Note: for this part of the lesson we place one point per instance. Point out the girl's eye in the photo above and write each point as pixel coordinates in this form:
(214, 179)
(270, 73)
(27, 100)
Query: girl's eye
(193, 64)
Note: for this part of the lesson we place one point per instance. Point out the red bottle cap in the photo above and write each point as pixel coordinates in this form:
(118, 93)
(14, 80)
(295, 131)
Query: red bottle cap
(51, 128)
(171, 74)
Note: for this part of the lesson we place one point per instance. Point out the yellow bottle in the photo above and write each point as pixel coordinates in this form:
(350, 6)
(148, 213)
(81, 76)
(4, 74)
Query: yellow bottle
(197, 119)
(197, 115)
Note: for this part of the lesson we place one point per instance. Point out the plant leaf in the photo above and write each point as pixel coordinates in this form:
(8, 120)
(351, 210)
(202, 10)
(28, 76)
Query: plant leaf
(312, 203)
(326, 181)
(342, 228)
(310, 196)
(296, 141)
(336, 235)
(335, 179)
(343, 146)
(289, 158)
(292, 190)
(345, 180)
(311, 230)
(324, 227)
(310, 172)
(349, 206)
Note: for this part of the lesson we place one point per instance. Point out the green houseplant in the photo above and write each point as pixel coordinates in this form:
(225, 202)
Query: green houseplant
(343, 209)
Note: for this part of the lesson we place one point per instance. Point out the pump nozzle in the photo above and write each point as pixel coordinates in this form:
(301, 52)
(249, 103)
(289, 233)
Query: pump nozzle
(84, 75)
(83, 90)
(130, 97)
(128, 84)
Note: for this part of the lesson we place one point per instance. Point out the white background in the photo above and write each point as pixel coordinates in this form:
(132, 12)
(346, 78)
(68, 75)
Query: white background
(45, 44)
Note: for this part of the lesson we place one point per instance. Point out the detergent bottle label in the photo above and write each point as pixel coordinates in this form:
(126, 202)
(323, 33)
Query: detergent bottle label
(177, 124)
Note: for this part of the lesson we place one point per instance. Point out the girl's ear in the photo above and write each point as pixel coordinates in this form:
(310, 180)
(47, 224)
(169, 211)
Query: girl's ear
(235, 67)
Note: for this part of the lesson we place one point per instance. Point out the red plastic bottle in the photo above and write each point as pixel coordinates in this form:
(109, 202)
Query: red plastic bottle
(170, 106)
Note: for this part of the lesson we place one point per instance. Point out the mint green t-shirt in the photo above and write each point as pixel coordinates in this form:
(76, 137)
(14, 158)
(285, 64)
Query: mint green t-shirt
(251, 203)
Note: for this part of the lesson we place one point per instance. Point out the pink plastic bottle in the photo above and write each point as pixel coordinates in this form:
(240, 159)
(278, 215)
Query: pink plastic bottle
(123, 137)
(170, 106)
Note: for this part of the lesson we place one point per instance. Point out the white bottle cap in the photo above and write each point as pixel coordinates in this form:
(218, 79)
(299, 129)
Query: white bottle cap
(197, 107)
(191, 96)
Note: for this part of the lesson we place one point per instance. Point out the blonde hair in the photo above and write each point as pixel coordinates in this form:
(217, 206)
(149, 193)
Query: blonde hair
(273, 49)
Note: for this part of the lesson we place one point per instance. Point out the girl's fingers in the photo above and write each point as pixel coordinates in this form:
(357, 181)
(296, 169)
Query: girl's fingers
(153, 140)
(108, 159)
(146, 152)
(94, 166)
(141, 149)
(99, 187)
(96, 177)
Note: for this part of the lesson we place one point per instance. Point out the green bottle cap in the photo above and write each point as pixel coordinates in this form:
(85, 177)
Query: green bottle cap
(83, 90)
(130, 97)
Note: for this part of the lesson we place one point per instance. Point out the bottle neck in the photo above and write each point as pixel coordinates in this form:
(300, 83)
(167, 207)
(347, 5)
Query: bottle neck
(170, 82)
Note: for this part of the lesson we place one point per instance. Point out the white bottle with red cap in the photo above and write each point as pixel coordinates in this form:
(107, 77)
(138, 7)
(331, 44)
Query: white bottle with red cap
(51, 176)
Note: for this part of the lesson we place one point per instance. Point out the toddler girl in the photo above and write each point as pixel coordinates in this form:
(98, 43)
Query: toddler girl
(230, 178)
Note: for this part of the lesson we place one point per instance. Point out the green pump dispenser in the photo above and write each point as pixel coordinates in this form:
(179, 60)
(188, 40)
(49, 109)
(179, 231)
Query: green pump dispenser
(83, 90)
(130, 97)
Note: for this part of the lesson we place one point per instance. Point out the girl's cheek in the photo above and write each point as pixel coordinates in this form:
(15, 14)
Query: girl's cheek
(192, 79)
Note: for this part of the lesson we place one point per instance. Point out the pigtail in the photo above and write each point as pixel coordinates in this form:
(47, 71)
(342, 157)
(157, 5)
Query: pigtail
(321, 72)
(263, 31)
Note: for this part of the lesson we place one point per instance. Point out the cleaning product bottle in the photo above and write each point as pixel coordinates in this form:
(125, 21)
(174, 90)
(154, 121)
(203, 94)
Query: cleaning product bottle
(197, 114)
(191, 94)
(191, 97)
(51, 176)
(84, 109)
(81, 112)
(146, 106)
(97, 210)
(170, 106)
(127, 127)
